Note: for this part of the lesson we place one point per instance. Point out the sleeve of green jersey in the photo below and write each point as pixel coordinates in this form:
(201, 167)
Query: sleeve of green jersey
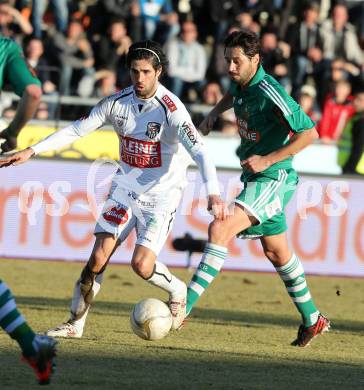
(299, 121)
(296, 118)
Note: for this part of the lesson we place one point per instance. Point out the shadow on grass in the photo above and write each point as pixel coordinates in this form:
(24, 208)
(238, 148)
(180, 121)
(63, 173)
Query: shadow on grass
(200, 315)
(159, 368)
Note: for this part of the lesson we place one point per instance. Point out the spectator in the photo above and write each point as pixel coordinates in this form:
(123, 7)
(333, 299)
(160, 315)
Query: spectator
(275, 57)
(74, 54)
(12, 22)
(257, 7)
(340, 41)
(245, 21)
(337, 111)
(306, 100)
(159, 20)
(111, 54)
(211, 95)
(42, 112)
(34, 53)
(305, 41)
(105, 10)
(60, 12)
(341, 70)
(351, 143)
(221, 14)
(187, 61)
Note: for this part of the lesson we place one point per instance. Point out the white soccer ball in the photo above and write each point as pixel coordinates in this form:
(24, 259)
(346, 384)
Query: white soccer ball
(151, 319)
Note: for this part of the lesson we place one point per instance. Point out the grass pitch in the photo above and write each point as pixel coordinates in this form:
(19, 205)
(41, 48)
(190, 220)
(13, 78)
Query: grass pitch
(237, 338)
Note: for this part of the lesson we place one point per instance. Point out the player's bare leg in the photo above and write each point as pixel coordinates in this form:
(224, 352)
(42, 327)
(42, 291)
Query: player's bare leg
(291, 272)
(145, 265)
(87, 287)
(220, 233)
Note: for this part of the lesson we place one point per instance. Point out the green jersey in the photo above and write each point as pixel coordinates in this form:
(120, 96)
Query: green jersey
(266, 116)
(14, 68)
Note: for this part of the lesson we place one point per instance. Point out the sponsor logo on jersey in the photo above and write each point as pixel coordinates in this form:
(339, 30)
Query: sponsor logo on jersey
(141, 154)
(169, 102)
(149, 204)
(120, 120)
(153, 129)
(245, 133)
(117, 215)
(190, 132)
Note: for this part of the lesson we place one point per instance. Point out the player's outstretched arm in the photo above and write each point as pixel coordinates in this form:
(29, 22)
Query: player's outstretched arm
(223, 105)
(24, 112)
(16, 158)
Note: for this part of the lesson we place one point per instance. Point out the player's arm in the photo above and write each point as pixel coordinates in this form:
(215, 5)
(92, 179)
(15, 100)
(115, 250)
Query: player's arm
(223, 105)
(27, 86)
(297, 143)
(192, 141)
(24, 112)
(63, 137)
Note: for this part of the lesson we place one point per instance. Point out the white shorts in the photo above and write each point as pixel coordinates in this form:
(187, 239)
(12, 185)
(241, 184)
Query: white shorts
(152, 216)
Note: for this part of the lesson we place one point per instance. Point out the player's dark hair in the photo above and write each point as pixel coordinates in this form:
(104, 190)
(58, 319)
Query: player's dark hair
(247, 40)
(148, 50)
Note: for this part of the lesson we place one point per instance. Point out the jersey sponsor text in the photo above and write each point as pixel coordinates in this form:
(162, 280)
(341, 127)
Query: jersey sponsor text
(141, 154)
(170, 103)
(190, 132)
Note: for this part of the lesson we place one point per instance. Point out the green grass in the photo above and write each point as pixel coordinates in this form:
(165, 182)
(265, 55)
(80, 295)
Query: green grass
(237, 338)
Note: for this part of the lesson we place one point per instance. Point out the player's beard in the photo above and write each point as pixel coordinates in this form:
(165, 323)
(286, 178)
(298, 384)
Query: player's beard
(247, 75)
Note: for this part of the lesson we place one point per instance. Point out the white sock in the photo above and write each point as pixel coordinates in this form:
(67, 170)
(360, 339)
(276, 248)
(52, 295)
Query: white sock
(78, 302)
(163, 279)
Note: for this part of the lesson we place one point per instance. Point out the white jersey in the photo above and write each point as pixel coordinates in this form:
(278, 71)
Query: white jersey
(156, 138)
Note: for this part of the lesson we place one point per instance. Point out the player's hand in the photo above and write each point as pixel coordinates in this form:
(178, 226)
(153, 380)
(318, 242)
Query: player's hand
(10, 142)
(255, 163)
(207, 124)
(16, 158)
(217, 207)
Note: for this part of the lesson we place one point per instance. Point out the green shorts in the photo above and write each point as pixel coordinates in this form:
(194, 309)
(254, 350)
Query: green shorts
(265, 197)
(14, 69)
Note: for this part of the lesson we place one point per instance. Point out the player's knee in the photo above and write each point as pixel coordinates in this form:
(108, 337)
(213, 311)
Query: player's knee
(34, 91)
(142, 267)
(278, 257)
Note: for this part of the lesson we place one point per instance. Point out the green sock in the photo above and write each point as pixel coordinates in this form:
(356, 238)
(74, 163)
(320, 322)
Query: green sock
(294, 279)
(210, 265)
(14, 323)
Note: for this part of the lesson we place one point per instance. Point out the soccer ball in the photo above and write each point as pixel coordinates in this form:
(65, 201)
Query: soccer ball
(151, 319)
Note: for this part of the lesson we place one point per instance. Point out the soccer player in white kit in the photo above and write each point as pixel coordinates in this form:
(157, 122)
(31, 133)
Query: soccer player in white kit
(156, 137)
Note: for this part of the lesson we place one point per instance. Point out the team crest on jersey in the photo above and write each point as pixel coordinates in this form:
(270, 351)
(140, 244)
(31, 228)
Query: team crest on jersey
(153, 129)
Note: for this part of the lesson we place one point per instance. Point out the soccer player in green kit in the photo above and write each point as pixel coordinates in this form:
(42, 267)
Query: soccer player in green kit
(266, 117)
(15, 71)
(38, 351)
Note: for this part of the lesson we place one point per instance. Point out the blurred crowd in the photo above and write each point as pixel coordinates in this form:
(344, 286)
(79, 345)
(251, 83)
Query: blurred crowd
(314, 48)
